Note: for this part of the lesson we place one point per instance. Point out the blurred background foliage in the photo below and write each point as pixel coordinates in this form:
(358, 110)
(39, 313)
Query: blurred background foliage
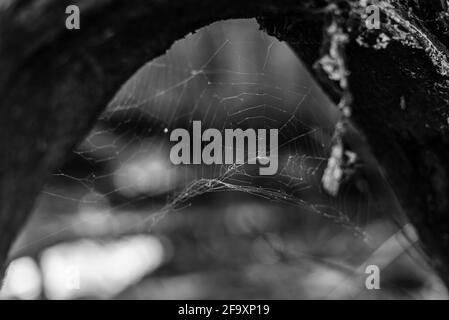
(119, 221)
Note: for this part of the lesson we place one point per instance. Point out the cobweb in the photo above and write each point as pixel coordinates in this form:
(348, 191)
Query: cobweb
(227, 76)
(120, 180)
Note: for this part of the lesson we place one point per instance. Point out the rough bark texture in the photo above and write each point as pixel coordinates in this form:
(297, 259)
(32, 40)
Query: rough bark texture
(392, 84)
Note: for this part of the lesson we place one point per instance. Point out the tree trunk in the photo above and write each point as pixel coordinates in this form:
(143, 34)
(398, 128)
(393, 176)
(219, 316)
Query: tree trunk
(392, 84)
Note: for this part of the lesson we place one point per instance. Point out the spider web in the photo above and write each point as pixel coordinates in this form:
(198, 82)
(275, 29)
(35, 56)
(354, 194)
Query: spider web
(227, 76)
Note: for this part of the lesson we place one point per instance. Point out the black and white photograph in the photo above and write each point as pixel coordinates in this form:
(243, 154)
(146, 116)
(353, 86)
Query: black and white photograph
(242, 152)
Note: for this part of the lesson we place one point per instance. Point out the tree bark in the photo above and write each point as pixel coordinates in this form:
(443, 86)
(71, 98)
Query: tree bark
(392, 84)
